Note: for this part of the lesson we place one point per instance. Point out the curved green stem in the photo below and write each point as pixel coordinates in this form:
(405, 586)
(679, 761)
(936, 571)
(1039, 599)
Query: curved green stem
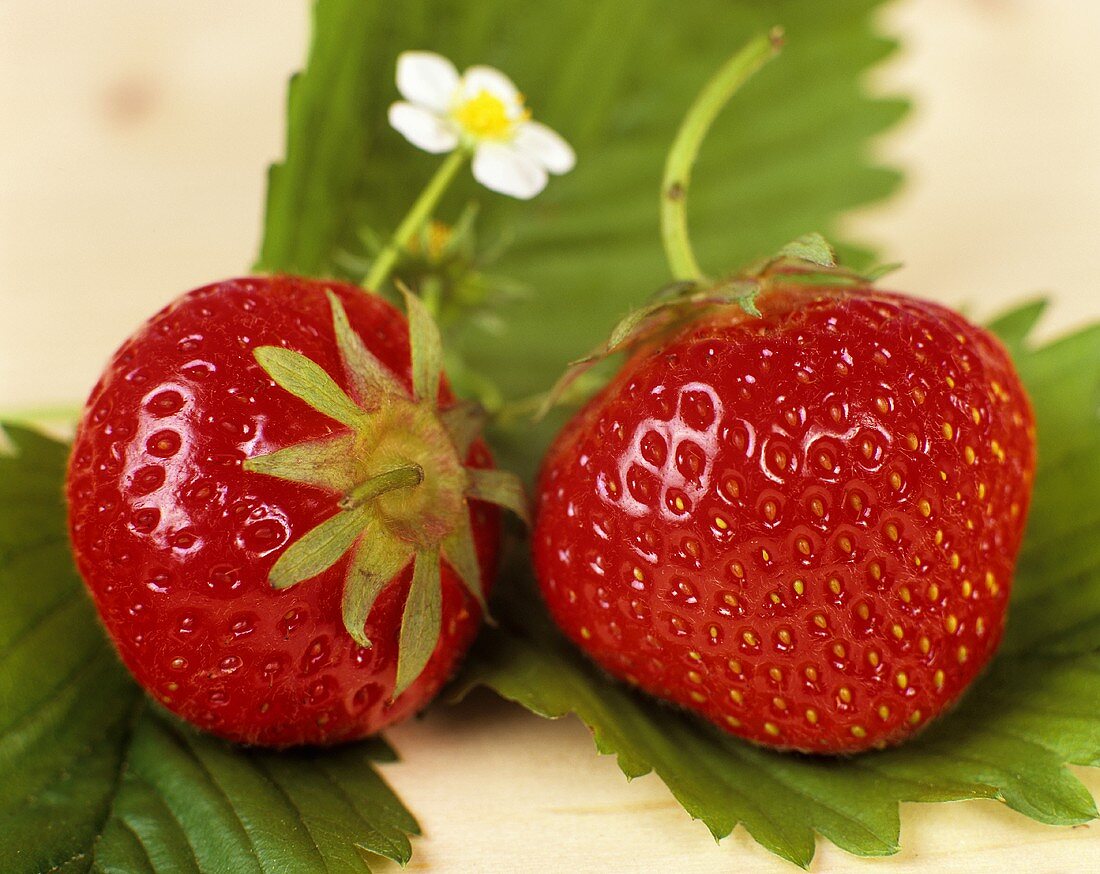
(376, 486)
(681, 157)
(416, 218)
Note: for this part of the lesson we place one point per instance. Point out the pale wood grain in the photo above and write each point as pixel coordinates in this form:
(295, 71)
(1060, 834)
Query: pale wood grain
(135, 136)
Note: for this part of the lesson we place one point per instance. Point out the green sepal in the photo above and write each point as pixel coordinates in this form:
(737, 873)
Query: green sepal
(461, 554)
(632, 324)
(747, 302)
(377, 560)
(464, 423)
(813, 248)
(307, 380)
(812, 260)
(500, 487)
(808, 260)
(421, 621)
(426, 348)
(370, 379)
(378, 408)
(319, 548)
(874, 274)
(325, 462)
(739, 291)
(670, 306)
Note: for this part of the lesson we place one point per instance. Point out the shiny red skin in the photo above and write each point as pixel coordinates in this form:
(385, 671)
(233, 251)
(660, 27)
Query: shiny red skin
(805, 597)
(174, 540)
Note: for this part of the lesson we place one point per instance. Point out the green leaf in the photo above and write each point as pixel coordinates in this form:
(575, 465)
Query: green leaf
(328, 136)
(785, 158)
(306, 379)
(1011, 737)
(319, 548)
(1014, 326)
(377, 561)
(93, 776)
(189, 802)
(327, 462)
(421, 620)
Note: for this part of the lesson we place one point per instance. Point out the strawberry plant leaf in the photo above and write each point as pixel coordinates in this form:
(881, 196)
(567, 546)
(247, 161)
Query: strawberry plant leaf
(1011, 736)
(94, 776)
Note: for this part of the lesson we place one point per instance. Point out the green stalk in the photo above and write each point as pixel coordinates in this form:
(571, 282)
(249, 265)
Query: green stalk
(416, 218)
(376, 486)
(685, 148)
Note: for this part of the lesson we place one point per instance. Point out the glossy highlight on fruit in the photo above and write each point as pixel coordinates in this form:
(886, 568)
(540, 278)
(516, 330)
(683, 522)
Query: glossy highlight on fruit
(801, 526)
(175, 540)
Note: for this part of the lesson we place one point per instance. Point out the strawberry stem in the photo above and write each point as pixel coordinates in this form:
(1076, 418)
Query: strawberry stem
(685, 148)
(376, 486)
(415, 219)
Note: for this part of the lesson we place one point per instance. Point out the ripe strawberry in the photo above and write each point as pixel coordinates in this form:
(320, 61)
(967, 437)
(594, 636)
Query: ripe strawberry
(265, 548)
(802, 525)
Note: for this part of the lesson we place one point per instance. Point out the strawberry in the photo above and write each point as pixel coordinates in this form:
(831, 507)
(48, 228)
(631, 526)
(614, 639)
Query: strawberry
(801, 524)
(269, 503)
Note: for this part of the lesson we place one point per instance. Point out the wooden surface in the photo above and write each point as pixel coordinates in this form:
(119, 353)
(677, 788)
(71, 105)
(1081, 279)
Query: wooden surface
(131, 168)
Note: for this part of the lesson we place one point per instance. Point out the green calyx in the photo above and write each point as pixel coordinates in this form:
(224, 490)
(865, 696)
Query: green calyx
(810, 260)
(398, 477)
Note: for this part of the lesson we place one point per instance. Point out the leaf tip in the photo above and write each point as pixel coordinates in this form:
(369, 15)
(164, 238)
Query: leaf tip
(336, 306)
(359, 636)
(279, 579)
(748, 304)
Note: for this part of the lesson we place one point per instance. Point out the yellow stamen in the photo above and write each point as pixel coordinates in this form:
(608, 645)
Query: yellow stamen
(485, 116)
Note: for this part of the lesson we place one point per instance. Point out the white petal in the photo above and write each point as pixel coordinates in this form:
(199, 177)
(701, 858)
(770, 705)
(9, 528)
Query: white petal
(502, 168)
(427, 79)
(546, 146)
(423, 128)
(478, 79)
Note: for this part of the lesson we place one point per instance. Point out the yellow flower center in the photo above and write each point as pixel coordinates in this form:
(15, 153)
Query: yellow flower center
(484, 116)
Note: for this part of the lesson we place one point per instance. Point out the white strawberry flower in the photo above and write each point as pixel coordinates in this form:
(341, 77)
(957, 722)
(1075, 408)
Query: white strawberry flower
(482, 112)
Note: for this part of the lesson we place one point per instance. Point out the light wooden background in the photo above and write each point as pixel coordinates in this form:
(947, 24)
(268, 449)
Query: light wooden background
(133, 137)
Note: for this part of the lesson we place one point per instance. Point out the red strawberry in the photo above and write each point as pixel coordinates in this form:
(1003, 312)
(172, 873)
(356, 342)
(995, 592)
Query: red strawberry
(802, 525)
(288, 556)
